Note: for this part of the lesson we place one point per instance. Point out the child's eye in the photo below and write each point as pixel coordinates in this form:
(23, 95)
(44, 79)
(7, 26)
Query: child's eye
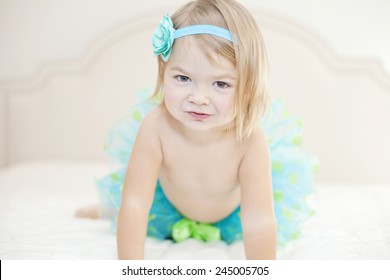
(220, 84)
(181, 78)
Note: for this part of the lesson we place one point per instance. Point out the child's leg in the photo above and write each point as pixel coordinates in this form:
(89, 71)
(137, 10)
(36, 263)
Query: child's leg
(95, 211)
(110, 192)
(91, 211)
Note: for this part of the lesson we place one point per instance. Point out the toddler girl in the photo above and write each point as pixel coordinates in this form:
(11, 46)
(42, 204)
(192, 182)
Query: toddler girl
(200, 165)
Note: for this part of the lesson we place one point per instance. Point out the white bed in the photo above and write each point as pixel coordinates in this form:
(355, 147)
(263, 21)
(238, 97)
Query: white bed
(53, 124)
(38, 200)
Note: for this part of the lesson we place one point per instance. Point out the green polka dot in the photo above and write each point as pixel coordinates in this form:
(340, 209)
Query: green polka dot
(299, 123)
(293, 178)
(277, 166)
(295, 235)
(288, 214)
(152, 230)
(281, 227)
(297, 140)
(316, 168)
(278, 196)
(137, 116)
(152, 217)
(286, 114)
(115, 177)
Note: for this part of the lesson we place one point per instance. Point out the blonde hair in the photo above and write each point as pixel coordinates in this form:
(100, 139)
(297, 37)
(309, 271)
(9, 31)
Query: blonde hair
(247, 53)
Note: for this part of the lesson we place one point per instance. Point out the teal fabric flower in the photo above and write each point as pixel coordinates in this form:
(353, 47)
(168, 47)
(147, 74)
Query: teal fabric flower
(163, 38)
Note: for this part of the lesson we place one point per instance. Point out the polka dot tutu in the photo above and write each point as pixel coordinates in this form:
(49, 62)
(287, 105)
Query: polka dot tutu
(293, 166)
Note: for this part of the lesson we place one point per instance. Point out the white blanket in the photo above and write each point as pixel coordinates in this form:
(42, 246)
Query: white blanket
(38, 200)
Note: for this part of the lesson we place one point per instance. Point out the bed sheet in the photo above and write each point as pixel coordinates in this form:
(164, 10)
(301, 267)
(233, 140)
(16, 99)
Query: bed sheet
(38, 201)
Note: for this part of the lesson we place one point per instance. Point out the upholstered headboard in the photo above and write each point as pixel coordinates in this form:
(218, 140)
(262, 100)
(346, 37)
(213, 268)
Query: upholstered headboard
(65, 109)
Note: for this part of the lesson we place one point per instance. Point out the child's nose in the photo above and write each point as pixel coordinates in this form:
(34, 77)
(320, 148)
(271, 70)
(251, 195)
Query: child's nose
(199, 99)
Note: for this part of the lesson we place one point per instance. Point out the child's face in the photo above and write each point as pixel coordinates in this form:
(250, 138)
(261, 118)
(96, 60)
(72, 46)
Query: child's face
(199, 93)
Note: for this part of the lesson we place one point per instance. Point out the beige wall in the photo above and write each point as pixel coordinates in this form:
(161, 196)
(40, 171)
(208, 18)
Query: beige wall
(40, 30)
(343, 99)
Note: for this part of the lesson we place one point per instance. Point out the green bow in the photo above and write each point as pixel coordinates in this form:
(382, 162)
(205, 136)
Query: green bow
(185, 229)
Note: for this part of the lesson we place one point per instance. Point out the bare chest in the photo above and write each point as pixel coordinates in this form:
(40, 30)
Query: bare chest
(206, 168)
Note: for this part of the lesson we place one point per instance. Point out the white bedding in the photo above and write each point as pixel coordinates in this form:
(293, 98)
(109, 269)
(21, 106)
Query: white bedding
(38, 200)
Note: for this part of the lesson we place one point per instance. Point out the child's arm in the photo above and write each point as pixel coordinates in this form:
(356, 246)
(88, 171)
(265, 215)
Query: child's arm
(257, 211)
(138, 191)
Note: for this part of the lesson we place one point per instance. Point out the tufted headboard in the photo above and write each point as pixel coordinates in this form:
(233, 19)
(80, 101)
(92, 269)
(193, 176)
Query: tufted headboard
(65, 109)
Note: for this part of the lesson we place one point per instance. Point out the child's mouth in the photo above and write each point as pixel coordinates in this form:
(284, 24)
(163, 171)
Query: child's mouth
(198, 115)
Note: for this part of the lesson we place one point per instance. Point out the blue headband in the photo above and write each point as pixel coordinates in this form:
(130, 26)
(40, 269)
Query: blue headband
(165, 35)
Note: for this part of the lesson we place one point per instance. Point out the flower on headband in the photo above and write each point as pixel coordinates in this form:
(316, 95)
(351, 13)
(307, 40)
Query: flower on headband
(163, 38)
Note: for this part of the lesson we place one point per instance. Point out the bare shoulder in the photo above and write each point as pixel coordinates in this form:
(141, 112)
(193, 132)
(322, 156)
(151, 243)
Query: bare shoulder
(156, 119)
(151, 124)
(148, 136)
(152, 119)
(256, 156)
(257, 140)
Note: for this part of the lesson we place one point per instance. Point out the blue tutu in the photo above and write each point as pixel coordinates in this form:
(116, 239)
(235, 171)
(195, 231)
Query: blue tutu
(293, 169)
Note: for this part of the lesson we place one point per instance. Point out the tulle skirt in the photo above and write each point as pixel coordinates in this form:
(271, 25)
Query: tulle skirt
(293, 171)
